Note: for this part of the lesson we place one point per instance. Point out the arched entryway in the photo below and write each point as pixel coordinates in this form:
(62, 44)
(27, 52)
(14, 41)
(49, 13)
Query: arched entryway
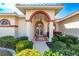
(40, 25)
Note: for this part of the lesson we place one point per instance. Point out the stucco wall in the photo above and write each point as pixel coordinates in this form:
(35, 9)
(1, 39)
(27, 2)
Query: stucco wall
(10, 30)
(22, 27)
(70, 26)
(4, 31)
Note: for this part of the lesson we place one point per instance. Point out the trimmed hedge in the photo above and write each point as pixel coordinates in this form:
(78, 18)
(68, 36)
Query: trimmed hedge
(8, 42)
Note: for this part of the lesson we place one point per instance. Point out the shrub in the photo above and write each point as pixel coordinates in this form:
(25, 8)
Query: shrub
(75, 39)
(22, 38)
(52, 53)
(23, 44)
(59, 45)
(54, 39)
(58, 38)
(8, 42)
(67, 39)
(68, 42)
(74, 47)
(69, 52)
(67, 45)
(29, 52)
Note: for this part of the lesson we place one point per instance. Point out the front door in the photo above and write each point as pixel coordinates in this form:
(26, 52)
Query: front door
(39, 30)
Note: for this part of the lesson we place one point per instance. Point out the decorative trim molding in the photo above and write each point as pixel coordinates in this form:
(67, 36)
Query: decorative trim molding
(10, 26)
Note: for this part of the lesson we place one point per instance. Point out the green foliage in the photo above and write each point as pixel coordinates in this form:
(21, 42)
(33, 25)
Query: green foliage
(8, 42)
(54, 39)
(74, 47)
(71, 38)
(75, 39)
(64, 52)
(67, 39)
(23, 44)
(29, 52)
(69, 52)
(58, 38)
(59, 45)
(52, 53)
(22, 38)
(67, 45)
(62, 38)
(68, 42)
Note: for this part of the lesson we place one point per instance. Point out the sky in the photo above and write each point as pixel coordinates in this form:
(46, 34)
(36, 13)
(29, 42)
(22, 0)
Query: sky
(68, 9)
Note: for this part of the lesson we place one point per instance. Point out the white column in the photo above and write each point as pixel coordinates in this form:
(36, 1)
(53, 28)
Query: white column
(29, 30)
(50, 31)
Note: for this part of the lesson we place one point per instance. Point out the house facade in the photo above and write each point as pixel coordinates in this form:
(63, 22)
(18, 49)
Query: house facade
(37, 23)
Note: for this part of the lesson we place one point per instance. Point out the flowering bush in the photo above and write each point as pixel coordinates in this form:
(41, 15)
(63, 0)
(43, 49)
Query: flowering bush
(29, 52)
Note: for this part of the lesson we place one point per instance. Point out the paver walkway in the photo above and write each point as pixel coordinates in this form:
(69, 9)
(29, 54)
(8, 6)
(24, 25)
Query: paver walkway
(40, 46)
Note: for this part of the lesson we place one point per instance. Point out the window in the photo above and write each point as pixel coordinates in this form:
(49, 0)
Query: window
(4, 22)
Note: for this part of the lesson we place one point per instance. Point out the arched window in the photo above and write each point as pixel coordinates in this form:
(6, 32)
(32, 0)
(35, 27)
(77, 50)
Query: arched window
(4, 22)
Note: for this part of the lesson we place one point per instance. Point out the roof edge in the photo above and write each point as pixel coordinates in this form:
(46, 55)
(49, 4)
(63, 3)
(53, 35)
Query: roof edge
(70, 15)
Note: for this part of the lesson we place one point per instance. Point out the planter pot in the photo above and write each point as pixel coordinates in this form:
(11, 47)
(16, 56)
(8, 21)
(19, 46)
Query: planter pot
(49, 44)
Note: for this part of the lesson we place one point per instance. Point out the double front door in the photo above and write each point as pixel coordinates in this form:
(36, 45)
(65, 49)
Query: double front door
(39, 29)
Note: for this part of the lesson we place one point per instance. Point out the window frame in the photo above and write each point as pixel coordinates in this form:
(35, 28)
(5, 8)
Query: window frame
(5, 20)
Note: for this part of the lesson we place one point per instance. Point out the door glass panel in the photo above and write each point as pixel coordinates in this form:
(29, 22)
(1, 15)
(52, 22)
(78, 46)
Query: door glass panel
(39, 29)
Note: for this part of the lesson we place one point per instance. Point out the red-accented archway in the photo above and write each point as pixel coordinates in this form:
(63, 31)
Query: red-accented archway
(44, 13)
